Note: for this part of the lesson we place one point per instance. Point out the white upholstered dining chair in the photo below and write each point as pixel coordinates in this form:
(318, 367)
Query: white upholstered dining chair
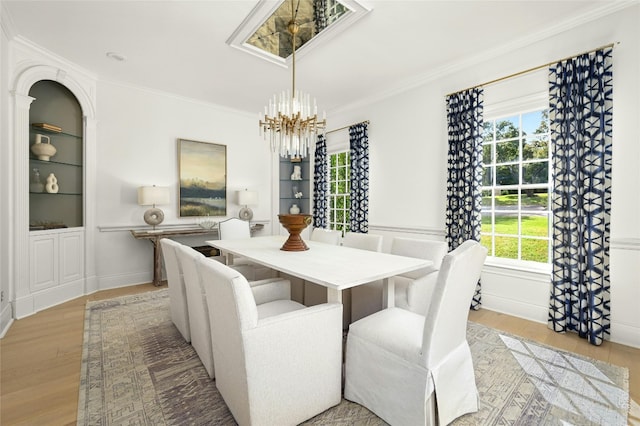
(414, 289)
(275, 364)
(367, 298)
(232, 229)
(197, 303)
(327, 236)
(177, 292)
(414, 370)
(265, 291)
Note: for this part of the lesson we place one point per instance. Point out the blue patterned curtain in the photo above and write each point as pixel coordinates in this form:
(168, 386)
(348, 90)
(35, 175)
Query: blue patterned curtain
(580, 113)
(320, 186)
(359, 194)
(320, 15)
(464, 171)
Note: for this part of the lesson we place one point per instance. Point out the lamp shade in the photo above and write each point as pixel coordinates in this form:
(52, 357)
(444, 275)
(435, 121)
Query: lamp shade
(153, 195)
(247, 198)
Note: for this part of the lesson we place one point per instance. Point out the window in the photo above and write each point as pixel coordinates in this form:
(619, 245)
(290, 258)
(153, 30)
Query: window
(516, 186)
(339, 201)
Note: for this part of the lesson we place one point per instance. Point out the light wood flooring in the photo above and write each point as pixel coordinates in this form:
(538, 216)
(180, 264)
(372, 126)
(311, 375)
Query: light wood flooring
(40, 359)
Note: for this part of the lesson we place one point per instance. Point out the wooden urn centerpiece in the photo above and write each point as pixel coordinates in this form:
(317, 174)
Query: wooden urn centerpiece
(295, 224)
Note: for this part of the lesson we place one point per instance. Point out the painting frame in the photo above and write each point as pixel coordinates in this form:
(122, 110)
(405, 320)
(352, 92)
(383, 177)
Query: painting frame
(202, 178)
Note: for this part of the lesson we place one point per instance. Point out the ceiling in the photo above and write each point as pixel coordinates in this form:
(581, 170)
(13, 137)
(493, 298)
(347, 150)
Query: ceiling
(181, 47)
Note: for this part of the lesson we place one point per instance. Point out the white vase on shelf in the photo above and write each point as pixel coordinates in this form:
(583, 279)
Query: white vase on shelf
(294, 209)
(52, 184)
(43, 150)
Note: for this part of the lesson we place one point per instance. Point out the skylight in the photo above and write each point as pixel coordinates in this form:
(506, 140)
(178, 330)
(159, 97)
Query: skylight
(264, 32)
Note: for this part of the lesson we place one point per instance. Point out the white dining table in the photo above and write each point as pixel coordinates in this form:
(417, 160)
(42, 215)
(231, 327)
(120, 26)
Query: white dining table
(335, 267)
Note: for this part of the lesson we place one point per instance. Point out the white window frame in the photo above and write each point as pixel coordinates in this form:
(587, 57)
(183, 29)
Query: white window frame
(508, 108)
(333, 224)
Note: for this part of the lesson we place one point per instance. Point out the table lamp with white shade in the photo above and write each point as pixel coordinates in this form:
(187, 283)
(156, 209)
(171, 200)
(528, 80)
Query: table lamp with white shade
(152, 196)
(245, 199)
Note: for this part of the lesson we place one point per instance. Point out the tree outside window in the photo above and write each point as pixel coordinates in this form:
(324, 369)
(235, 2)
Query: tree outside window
(339, 198)
(516, 189)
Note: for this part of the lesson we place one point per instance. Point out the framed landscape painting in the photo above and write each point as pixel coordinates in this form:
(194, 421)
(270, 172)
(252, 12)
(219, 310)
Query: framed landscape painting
(203, 178)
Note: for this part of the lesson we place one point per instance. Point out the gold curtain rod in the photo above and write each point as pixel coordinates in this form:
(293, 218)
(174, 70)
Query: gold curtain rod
(517, 74)
(346, 127)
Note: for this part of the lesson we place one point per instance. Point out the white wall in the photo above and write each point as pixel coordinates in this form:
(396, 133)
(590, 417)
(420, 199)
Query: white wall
(5, 182)
(408, 135)
(137, 145)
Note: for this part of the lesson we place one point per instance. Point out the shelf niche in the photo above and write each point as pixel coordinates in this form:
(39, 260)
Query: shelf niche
(55, 104)
(287, 198)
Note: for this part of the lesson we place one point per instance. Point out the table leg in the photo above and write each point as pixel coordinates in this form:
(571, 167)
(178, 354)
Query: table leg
(334, 296)
(157, 265)
(388, 293)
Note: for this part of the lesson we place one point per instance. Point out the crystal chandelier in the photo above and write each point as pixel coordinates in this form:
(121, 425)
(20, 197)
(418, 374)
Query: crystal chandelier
(290, 122)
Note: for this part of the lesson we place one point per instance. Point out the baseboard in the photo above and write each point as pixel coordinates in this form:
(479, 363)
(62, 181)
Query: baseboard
(5, 319)
(123, 280)
(620, 333)
(47, 298)
(625, 335)
(514, 308)
(91, 285)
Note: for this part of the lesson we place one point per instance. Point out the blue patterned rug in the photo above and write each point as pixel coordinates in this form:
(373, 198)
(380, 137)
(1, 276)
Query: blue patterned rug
(137, 369)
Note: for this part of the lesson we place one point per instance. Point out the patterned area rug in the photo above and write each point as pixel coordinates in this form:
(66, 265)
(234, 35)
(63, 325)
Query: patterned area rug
(137, 370)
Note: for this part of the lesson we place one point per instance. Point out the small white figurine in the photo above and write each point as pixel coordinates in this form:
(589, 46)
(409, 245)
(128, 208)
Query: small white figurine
(297, 173)
(52, 184)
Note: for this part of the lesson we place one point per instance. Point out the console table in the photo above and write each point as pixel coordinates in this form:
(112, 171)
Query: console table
(154, 236)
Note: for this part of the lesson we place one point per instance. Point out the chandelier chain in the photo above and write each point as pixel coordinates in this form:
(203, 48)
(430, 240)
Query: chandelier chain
(291, 120)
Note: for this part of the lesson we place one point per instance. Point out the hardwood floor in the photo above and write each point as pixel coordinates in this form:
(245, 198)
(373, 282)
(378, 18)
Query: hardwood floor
(40, 358)
(40, 363)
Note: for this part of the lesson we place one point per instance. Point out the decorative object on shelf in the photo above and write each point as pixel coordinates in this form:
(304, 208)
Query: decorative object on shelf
(36, 185)
(290, 121)
(296, 193)
(294, 209)
(43, 150)
(45, 224)
(47, 126)
(202, 170)
(295, 224)
(245, 199)
(52, 184)
(207, 223)
(297, 173)
(152, 196)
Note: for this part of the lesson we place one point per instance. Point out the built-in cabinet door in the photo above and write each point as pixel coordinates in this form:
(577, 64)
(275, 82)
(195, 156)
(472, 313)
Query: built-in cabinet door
(71, 257)
(56, 258)
(43, 261)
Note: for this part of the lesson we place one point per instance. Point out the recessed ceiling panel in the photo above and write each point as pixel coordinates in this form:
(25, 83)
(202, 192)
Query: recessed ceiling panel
(312, 16)
(265, 33)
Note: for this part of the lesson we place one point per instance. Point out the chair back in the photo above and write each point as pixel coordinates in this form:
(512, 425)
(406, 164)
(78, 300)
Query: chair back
(446, 322)
(234, 228)
(328, 236)
(232, 310)
(420, 249)
(187, 258)
(199, 323)
(369, 242)
(177, 292)
(231, 295)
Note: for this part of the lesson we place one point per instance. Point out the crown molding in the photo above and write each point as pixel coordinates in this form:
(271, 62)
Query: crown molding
(57, 60)
(606, 9)
(6, 22)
